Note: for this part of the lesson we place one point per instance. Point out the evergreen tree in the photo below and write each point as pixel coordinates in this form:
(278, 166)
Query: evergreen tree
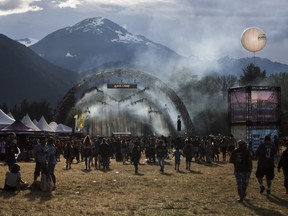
(252, 75)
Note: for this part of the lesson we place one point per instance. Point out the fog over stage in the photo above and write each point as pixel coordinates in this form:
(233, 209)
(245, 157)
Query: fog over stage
(123, 100)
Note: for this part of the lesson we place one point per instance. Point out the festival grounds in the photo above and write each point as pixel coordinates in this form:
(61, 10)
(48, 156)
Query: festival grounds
(209, 189)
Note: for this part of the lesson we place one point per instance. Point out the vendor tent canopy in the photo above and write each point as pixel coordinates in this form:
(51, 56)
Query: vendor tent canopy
(28, 122)
(10, 115)
(43, 125)
(53, 125)
(35, 121)
(17, 127)
(5, 120)
(61, 128)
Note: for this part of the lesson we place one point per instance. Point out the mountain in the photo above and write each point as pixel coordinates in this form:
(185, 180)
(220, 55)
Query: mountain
(25, 75)
(94, 42)
(27, 41)
(228, 65)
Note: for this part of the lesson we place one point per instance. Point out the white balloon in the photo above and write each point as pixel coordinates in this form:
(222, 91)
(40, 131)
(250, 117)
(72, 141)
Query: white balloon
(253, 39)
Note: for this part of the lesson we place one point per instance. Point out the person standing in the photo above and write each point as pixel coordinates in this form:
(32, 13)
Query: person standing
(11, 150)
(188, 152)
(2, 148)
(265, 165)
(242, 161)
(124, 150)
(68, 154)
(283, 163)
(76, 149)
(177, 155)
(40, 152)
(161, 152)
(135, 156)
(87, 152)
(104, 152)
(52, 159)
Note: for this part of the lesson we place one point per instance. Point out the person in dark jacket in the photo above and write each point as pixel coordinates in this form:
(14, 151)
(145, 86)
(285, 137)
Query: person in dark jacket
(11, 150)
(283, 163)
(104, 152)
(68, 154)
(242, 161)
(265, 166)
(162, 153)
(135, 156)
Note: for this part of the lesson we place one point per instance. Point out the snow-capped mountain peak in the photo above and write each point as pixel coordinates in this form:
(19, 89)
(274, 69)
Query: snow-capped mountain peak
(95, 41)
(100, 26)
(88, 25)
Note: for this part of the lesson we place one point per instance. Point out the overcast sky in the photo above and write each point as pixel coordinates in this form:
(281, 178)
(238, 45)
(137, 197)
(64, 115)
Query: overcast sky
(202, 28)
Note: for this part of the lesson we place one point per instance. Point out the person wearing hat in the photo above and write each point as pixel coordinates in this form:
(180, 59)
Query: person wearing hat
(283, 163)
(242, 161)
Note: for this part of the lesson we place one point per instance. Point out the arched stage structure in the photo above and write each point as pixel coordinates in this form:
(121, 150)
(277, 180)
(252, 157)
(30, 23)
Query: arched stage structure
(124, 100)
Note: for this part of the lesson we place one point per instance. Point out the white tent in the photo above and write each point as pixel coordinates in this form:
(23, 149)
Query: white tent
(5, 120)
(28, 122)
(61, 128)
(43, 125)
(53, 125)
(10, 115)
(35, 121)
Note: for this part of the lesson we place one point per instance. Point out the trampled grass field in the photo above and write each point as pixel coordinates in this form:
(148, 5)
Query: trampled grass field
(209, 189)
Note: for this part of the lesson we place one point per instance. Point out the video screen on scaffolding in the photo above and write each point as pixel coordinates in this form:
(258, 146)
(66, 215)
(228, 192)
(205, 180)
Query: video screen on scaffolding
(264, 106)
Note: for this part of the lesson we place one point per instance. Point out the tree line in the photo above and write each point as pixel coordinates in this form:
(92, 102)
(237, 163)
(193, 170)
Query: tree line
(206, 97)
(34, 109)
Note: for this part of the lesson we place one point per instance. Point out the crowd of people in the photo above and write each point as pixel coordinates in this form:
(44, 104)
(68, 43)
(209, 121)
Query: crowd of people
(98, 152)
(45, 154)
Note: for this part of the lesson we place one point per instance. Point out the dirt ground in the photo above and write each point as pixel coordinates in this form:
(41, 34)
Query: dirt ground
(209, 189)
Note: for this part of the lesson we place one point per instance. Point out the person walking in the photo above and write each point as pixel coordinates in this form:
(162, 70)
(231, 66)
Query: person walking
(242, 161)
(135, 156)
(177, 155)
(265, 166)
(283, 163)
(161, 152)
(40, 152)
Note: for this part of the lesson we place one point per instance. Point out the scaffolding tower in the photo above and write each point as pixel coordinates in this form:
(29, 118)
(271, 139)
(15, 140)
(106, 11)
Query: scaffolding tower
(254, 112)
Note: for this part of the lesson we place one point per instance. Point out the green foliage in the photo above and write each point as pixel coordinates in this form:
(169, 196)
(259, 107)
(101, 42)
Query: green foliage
(206, 100)
(34, 109)
(252, 75)
(206, 97)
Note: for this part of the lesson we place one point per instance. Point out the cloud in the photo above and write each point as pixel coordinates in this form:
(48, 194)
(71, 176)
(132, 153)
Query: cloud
(67, 3)
(8, 7)
(204, 28)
